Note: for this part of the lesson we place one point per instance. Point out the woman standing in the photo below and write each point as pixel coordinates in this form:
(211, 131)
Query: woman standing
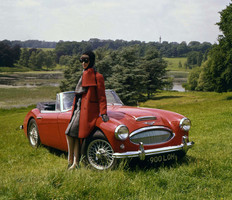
(90, 100)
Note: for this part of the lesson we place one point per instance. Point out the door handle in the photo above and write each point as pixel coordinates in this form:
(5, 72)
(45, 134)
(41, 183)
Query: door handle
(39, 117)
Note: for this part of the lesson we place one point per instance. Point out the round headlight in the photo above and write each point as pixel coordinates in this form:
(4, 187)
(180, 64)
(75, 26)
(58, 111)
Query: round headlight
(185, 124)
(121, 132)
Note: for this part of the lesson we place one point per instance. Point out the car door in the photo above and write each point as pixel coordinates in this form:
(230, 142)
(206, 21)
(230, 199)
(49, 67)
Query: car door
(48, 128)
(63, 121)
(66, 101)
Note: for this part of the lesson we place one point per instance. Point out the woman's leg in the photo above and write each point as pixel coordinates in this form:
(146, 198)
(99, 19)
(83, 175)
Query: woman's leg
(70, 142)
(76, 157)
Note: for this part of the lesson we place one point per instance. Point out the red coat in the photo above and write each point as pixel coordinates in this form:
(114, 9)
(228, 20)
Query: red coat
(93, 102)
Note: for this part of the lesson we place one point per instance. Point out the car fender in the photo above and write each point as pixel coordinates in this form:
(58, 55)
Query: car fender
(31, 114)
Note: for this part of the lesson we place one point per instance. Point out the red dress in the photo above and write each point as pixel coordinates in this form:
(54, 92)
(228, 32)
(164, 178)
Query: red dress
(93, 102)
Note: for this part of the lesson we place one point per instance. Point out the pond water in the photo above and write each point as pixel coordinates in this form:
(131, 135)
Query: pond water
(178, 87)
(25, 79)
(179, 78)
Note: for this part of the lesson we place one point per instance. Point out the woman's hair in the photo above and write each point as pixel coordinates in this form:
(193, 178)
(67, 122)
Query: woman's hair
(91, 58)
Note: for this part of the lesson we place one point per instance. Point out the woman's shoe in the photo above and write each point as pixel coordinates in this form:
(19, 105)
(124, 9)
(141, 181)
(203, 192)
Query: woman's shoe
(74, 166)
(69, 165)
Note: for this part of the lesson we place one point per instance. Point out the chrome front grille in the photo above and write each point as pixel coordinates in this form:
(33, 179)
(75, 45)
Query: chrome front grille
(151, 135)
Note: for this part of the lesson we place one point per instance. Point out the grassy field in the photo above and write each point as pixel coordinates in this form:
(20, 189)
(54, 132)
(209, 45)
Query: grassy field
(13, 69)
(22, 96)
(28, 173)
(173, 63)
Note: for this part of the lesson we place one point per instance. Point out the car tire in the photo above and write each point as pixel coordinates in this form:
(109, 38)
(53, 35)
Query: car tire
(33, 133)
(98, 154)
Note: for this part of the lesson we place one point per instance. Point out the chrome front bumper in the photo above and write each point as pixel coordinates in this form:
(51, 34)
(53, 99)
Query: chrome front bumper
(141, 153)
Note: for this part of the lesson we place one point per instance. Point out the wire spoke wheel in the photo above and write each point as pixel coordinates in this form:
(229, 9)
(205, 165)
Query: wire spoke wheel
(33, 134)
(100, 154)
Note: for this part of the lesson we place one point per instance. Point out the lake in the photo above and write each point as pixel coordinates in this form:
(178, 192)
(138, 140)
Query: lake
(179, 77)
(31, 79)
(53, 78)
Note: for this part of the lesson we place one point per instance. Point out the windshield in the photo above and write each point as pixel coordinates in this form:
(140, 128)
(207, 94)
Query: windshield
(67, 99)
(112, 98)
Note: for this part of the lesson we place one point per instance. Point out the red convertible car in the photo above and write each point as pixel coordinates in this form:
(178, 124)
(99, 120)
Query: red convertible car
(152, 134)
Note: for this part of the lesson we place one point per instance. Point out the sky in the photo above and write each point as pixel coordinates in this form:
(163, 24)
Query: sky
(143, 20)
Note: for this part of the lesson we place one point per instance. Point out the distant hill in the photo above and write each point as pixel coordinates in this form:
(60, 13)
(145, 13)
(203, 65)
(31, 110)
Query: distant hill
(34, 44)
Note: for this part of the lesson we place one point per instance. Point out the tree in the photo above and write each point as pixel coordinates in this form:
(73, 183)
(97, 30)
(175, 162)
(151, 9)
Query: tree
(180, 64)
(8, 54)
(65, 59)
(72, 74)
(32, 61)
(24, 58)
(193, 79)
(182, 49)
(155, 71)
(194, 45)
(194, 58)
(36, 60)
(104, 61)
(216, 72)
(128, 79)
(49, 59)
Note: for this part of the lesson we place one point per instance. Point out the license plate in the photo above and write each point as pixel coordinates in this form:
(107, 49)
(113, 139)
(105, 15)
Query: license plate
(163, 158)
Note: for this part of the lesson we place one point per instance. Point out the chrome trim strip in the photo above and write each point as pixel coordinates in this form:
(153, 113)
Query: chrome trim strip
(142, 154)
(139, 153)
(145, 118)
(48, 111)
(149, 128)
(66, 110)
(61, 102)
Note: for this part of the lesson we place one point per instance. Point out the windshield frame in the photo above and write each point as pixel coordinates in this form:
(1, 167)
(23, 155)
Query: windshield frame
(114, 96)
(62, 95)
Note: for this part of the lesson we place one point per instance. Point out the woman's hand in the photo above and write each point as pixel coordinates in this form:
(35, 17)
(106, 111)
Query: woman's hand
(105, 118)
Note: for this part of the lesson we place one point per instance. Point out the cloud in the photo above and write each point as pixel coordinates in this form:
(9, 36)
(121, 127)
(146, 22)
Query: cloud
(54, 20)
(27, 3)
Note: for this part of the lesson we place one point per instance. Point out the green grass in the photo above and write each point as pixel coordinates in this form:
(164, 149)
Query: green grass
(173, 64)
(13, 69)
(28, 173)
(23, 96)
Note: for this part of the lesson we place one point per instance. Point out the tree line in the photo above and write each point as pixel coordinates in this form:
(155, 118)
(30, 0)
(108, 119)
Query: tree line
(166, 49)
(12, 54)
(215, 74)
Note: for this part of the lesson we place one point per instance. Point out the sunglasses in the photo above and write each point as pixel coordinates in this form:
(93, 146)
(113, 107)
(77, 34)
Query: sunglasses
(85, 60)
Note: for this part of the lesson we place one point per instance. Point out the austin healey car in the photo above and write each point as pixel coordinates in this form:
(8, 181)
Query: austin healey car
(148, 134)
